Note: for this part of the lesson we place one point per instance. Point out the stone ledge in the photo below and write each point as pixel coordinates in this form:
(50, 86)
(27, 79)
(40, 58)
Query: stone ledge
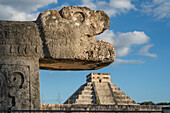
(103, 107)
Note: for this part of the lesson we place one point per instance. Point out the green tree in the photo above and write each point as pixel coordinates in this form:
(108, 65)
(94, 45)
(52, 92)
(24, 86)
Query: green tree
(163, 103)
(147, 103)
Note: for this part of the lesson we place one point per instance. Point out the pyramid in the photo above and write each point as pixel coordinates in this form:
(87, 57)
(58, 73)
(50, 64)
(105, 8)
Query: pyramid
(98, 89)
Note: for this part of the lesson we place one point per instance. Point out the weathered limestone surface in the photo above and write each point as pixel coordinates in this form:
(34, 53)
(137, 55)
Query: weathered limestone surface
(69, 39)
(106, 108)
(63, 40)
(19, 84)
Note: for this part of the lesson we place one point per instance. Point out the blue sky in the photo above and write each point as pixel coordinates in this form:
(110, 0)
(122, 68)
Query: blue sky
(140, 32)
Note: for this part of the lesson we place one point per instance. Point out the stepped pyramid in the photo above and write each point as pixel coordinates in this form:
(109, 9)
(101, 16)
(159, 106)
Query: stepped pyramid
(99, 90)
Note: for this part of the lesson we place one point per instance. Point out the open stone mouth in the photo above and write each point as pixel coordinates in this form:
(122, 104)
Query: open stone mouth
(90, 59)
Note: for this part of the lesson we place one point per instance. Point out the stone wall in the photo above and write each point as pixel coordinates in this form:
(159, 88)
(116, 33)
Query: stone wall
(98, 77)
(121, 108)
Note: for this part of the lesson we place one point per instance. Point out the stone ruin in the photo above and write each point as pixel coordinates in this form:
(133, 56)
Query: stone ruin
(63, 40)
(99, 90)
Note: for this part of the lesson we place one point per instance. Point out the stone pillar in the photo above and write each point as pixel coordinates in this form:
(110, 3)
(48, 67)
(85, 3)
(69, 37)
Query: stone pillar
(19, 84)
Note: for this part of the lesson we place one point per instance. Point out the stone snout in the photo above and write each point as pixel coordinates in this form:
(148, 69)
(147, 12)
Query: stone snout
(63, 40)
(69, 37)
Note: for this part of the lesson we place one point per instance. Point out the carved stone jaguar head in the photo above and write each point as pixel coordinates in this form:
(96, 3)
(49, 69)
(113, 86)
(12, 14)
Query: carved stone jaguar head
(69, 36)
(63, 40)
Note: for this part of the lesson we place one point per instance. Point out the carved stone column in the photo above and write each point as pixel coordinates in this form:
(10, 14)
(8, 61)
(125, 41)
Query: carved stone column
(19, 84)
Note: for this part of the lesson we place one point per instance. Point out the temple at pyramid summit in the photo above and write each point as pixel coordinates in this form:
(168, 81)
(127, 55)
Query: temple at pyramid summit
(98, 89)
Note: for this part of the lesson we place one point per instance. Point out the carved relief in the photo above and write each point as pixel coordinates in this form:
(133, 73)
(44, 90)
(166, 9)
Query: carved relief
(3, 91)
(78, 17)
(15, 82)
(13, 48)
(19, 50)
(30, 50)
(14, 87)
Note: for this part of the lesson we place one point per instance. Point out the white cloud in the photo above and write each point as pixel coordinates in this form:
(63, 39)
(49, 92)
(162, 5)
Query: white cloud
(122, 51)
(21, 10)
(159, 9)
(121, 61)
(112, 8)
(121, 4)
(89, 3)
(63, 5)
(27, 5)
(10, 13)
(123, 41)
(106, 36)
(145, 51)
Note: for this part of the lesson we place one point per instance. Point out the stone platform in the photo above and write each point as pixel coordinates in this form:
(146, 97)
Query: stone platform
(105, 108)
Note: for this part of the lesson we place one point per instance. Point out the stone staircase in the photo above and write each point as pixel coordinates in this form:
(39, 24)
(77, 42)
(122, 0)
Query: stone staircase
(120, 96)
(85, 95)
(104, 93)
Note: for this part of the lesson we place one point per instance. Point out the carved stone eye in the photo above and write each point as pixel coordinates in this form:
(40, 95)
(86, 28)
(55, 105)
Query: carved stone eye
(78, 17)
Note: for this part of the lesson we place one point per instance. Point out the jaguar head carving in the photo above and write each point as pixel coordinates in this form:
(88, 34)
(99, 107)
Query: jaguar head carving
(69, 39)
